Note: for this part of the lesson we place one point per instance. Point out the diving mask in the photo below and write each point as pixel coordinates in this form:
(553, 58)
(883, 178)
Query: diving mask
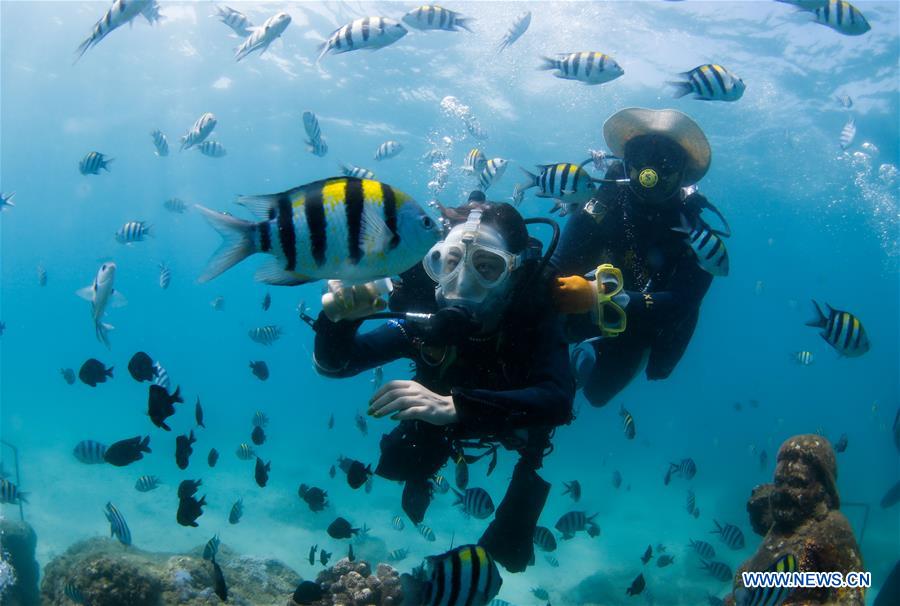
(471, 264)
(611, 301)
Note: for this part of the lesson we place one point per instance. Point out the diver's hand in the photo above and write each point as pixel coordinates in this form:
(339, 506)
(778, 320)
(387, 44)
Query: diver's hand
(343, 302)
(410, 401)
(575, 295)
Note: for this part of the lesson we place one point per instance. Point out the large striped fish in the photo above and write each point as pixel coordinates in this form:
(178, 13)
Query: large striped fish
(842, 17)
(340, 228)
(369, 33)
(566, 182)
(730, 534)
(718, 570)
(710, 82)
(432, 16)
(120, 13)
(466, 576)
(493, 170)
(586, 67)
(843, 331)
(261, 37)
(768, 596)
(708, 246)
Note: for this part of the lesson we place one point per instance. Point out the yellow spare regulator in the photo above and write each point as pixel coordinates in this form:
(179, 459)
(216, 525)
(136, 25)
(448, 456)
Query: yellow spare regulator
(611, 317)
(648, 178)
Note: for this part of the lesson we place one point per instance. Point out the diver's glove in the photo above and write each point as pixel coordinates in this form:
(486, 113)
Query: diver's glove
(602, 297)
(575, 295)
(352, 302)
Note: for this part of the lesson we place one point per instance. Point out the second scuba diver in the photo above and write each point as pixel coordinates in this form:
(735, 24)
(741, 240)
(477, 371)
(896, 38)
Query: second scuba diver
(491, 363)
(648, 255)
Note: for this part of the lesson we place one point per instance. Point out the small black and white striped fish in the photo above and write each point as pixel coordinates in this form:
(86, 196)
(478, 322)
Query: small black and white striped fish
(703, 549)
(265, 335)
(848, 133)
(475, 502)
(708, 247)
(211, 548)
(212, 149)
(515, 31)
(117, 525)
(843, 331)
(551, 559)
(398, 555)
(587, 67)
(162, 376)
(718, 570)
(120, 13)
(842, 17)
(432, 16)
(261, 37)
(710, 82)
(803, 358)
(237, 509)
(441, 485)
(146, 483)
(397, 523)
(475, 161)
(133, 231)
(627, 423)
(544, 539)
(236, 20)
(245, 452)
(315, 143)
(466, 575)
(199, 131)
(90, 452)
(367, 32)
(160, 143)
(692, 504)
(426, 532)
(93, 162)
(563, 181)
(9, 493)
(73, 593)
(686, 468)
(356, 172)
(768, 596)
(175, 205)
(6, 201)
(42, 275)
(730, 534)
(319, 147)
(387, 150)
(260, 419)
(573, 522)
(492, 172)
(165, 276)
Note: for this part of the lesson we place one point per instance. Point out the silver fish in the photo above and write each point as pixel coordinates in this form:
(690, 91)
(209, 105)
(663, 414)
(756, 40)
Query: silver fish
(848, 133)
(120, 13)
(365, 33)
(261, 37)
(387, 150)
(160, 142)
(199, 131)
(518, 27)
(236, 20)
(101, 294)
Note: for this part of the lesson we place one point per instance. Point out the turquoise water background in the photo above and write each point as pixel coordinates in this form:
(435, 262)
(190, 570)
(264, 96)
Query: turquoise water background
(809, 221)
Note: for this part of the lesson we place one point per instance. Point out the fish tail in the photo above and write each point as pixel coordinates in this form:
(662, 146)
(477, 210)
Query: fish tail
(548, 63)
(465, 22)
(532, 179)
(681, 89)
(176, 397)
(106, 162)
(821, 320)
(237, 242)
(109, 372)
(102, 332)
(718, 529)
(83, 48)
(145, 444)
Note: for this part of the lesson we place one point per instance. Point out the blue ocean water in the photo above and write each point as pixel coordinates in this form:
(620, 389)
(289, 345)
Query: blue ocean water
(809, 221)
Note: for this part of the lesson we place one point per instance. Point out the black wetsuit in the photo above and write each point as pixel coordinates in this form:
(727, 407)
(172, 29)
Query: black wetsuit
(661, 276)
(511, 388)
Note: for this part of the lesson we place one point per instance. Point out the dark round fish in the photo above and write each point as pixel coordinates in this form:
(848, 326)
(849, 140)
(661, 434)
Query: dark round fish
(198, 414)
(341, 529)
(258, 436)
(307, 592)
(183, 449)
(237, 510)
(324, 556)
(189, 509)
(315, 498)
(462, 473)
(188, 488)
(262, 472)
(891, 497)
(357, 474)
(93, 371)
(125, 452)
(141, 367)
(219, 584)
(68, 375)
(637, 585)
(260, 370)
(213, 457)
(573, 489)
(161, 405)
(648, 554)
(312, 554)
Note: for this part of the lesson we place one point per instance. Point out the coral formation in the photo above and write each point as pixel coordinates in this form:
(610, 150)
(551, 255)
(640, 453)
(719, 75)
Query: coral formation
(353, 584)
(19, 570)
(800, 514)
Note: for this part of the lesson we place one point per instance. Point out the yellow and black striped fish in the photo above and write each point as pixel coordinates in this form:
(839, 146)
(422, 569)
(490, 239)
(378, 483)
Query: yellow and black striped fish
(340, 228)
(843, 331)
(569, 183)
(842, 17)
(465, 575)
(627, 423)
(768, 596)
(710, 82)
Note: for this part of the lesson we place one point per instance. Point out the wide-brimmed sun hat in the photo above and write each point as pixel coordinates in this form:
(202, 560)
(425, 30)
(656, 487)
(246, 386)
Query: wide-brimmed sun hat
(625, 125)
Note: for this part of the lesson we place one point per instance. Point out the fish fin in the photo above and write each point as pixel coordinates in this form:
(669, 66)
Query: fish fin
(821, 320)
(86, 293)
(464, 23)
(375, 235)
(548, 63)
(237, 242)
(118, 299)
(102, 332)
(109, 371)
(684, 228)
(272, 273)
(263, 207)
(145, 444)
(681, 89)
(532, 179)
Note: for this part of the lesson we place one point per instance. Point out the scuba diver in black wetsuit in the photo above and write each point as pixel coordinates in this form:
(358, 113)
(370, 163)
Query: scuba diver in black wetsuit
(644, 301)
(491, 363)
